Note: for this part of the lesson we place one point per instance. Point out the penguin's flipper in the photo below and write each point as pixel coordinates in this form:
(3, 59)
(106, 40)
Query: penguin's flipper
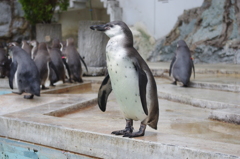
(171, 65)
(67, 67)
(103, 93)
(142, 84)
(193, 68)
(83, 62)
(13, 69)
(53, 72)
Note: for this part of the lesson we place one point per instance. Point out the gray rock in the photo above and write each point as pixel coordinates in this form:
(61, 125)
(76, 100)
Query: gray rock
(5, 19)
(211, 32)
(13, 26)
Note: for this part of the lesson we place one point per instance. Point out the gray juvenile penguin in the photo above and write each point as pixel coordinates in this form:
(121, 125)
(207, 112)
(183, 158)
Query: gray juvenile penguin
(130, 79)
(73, 60)
(25, 72)
(43, 63)
(182, 64)
(56, 58)
(26, 47)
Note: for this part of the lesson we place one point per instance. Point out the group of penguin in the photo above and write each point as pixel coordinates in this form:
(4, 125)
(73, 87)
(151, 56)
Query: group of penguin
(128, 75)
(33, 63)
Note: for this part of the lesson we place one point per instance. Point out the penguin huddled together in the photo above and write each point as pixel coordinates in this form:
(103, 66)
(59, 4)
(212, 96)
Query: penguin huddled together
(34, 63)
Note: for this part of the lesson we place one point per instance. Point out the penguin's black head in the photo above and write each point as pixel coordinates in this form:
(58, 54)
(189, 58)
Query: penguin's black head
(113, 28)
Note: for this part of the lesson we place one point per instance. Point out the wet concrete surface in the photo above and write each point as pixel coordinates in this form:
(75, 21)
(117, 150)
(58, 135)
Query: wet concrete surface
(74, 122)
(231, 99)
(231, 79)
(220, 68)
(179, 124)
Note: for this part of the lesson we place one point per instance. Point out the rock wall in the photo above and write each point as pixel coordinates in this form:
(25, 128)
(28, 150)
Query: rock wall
(211, 31)
(143, 41)
(13, 27)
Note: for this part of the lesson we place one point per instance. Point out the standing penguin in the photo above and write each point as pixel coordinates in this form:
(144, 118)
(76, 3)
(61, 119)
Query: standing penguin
(43, 63)
(25, 73)
(73, 61)
(34, 43)
(56, 57)
(26, 47)
(130, 79)
(182, 64)
(64, 60)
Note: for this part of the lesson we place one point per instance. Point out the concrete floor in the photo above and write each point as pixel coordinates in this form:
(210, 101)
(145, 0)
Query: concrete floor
(74, 122)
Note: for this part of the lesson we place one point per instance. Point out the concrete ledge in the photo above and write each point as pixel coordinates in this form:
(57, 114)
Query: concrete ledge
(101, 145)
(220, 68)
(65, 88)
(202, 103)
(71, 108)
(216, 86)
(226, 115)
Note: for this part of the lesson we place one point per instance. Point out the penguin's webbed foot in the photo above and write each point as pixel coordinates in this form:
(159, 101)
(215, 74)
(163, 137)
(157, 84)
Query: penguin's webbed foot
(43, 87)
(174, 83)
(69, 81)
(141, 132)
(52, 85)
(128, 128)
(123, 132)
(80, 81)
(19, 93)
(28, 96)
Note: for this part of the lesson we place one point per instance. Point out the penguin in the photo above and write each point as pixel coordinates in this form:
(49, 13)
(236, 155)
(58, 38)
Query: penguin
(56, 58)
(182, 64)
(26, 47)
(25, 72)
(64, 59)
(130, 78)
(4, 62)
(34, 44)
(74, 60)
(43, 63)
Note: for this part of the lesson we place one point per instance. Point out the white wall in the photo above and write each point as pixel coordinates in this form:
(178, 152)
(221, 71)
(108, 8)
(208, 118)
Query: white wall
(158, 17)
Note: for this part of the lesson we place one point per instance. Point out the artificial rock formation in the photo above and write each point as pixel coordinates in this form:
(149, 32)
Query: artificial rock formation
(13, 26)
(211, 31)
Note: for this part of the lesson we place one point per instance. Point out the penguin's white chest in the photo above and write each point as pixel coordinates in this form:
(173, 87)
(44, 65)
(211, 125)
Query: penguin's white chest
(124, 81)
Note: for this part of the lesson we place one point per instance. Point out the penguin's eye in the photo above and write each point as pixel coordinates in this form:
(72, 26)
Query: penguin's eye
(110, 26)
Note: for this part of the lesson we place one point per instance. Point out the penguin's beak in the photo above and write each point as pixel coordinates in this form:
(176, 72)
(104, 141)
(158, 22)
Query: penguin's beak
(99, 27)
